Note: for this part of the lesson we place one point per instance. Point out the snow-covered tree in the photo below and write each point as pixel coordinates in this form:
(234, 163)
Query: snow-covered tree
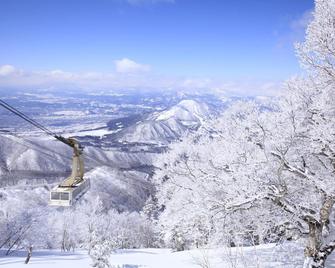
(20, 221)
(100, 251)
(208, 179)
(308, 159)
(264, 172)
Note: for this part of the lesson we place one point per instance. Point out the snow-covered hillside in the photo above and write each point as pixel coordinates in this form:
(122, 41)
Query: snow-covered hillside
(166, 126)
(44, 154)
(49, 155)
(120, 189)
(185, 111)
(23, 154)
(288, 255)
(119, 178)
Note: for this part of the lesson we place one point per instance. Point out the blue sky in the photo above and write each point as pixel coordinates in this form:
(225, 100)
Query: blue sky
(209, 39)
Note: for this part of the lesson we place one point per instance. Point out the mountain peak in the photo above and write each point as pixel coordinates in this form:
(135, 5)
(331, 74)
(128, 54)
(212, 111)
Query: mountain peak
(186, 110)
(168, 125)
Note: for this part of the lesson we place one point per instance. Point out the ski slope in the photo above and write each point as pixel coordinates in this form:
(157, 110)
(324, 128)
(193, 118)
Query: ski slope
(289, 255)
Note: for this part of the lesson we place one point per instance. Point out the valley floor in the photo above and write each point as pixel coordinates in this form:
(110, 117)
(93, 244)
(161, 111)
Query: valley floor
(289, 255)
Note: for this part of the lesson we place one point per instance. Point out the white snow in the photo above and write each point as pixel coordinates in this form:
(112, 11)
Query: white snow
(95, 132)
(166, 114)
(288, 255)
(162, 127)
(48, 259)
(185, 110)
(71, 113)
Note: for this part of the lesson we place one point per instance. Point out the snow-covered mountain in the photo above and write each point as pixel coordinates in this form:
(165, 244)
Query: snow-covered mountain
(44, 154)
(120, 179)
(25, 154)
(125, 190)
(120, 175)
(44, 158)
(168, 125)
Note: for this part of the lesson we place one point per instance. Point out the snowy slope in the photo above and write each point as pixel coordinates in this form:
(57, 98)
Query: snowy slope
(119, 178)
(21, 154)
(116, 158)
(119, 189)
(185, 111)
(163, 127)
(289, 255)
(44, 154)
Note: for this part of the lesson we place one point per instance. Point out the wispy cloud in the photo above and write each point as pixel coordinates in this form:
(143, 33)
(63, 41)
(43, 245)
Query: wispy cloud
(298, 26)
(7, 70)
(301, 23)
(296, 30)
(126, 65)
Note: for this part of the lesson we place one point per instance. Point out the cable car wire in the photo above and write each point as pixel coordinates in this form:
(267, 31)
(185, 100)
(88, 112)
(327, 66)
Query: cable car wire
(31, 145)
(26, 118)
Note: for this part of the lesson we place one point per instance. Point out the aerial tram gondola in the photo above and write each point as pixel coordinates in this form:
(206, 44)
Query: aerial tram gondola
(76, 185)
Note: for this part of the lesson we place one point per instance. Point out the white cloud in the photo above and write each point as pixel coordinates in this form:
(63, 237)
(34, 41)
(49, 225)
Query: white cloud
(295, 31)
(11, 77)
(6, 70)
(129, 66)
(60, 74)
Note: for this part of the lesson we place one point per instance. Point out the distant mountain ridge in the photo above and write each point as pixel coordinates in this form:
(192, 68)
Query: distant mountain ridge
(168, 125)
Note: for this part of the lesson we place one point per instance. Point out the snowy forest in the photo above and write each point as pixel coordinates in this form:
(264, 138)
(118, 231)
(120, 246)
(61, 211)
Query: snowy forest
(256, 174)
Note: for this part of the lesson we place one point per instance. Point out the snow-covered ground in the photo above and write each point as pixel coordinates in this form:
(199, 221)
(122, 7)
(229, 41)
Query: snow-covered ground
(289, 255)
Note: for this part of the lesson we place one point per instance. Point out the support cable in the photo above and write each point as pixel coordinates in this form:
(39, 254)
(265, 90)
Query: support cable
(26, 118)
